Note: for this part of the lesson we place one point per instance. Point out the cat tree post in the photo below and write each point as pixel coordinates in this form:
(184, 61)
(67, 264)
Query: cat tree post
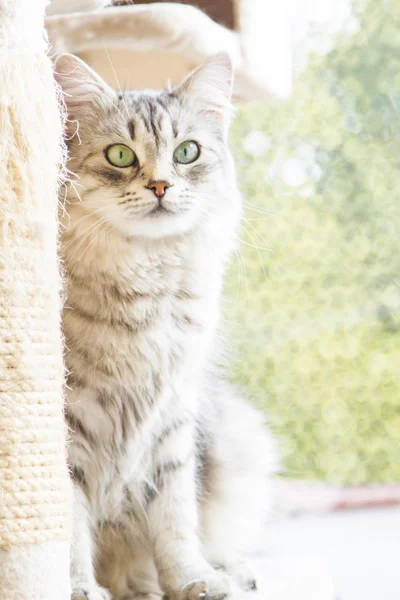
(34, 484)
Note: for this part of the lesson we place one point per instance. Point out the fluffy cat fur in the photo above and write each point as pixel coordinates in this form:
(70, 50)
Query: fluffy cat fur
(169, 464)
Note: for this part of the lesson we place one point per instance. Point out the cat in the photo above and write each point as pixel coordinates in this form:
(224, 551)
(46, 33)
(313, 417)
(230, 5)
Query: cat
(170, 466)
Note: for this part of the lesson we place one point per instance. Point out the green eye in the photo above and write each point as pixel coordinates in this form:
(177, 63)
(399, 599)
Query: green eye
(120, 156)
(186, 153)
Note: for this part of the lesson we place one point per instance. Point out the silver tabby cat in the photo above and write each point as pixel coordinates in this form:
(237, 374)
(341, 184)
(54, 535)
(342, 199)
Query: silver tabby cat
(169, 465)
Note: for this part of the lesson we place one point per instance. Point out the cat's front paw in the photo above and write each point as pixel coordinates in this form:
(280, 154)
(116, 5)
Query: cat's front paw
(90, 593)
(216, 586)
(144, 596)
(241, 574)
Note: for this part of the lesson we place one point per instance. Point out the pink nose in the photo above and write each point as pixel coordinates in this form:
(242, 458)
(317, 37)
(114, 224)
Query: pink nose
(159, 187)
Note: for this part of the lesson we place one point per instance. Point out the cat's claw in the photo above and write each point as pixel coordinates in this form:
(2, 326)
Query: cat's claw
(144, 596)
(215, 588)
(92, 593)
(241, 574)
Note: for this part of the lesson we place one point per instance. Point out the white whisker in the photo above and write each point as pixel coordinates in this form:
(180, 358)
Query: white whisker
(101, 231)
(116, 78)
(254, 246)
(256, 231)
(88, 234)
(257, 208)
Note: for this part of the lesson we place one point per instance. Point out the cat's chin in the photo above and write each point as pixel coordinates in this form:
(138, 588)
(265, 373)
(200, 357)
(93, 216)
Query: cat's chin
(160, 225)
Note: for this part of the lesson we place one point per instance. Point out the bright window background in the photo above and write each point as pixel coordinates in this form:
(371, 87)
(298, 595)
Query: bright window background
(314, 297)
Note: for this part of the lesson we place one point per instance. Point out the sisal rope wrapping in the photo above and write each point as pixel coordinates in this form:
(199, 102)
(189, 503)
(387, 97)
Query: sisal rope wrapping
(34, 483)
(34, 489)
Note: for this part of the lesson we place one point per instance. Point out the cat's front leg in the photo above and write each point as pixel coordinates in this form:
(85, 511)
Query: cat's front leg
(84, 585)
(183, 572)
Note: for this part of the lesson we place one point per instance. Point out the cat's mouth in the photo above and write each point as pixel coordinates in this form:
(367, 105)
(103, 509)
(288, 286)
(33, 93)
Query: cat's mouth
(160, 209)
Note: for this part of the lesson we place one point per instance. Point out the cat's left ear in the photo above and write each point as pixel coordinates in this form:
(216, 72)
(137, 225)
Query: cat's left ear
(210, 86)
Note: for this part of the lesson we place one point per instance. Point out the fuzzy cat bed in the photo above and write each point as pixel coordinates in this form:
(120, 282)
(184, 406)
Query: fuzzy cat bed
(146, 45)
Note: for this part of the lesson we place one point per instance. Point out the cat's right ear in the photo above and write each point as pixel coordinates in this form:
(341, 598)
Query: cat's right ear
(82, 88)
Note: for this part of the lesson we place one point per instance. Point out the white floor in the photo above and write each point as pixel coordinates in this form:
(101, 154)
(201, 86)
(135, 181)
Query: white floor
(359, 549)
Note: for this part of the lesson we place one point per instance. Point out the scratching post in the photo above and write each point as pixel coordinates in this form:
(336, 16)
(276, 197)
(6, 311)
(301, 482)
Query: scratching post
(34, 484)
(141, 46)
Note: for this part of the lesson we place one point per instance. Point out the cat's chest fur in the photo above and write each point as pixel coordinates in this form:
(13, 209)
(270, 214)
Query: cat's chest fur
(128, 314)
(138, 332)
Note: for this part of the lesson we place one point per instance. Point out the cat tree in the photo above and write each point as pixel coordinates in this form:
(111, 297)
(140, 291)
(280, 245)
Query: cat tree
(35, 501)
(145, 44)
(139, 46)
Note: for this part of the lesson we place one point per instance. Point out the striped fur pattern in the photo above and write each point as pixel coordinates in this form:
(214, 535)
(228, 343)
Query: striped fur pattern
(169, 464)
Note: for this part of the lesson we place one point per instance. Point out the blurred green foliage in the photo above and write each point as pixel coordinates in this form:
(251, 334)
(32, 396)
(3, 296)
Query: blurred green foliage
(314, 298)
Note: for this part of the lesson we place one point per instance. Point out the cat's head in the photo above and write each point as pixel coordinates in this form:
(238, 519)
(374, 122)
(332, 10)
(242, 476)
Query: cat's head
(153, 164)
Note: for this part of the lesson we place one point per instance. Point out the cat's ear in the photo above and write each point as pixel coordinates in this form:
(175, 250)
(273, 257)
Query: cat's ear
(210, 85)
(83, 89)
